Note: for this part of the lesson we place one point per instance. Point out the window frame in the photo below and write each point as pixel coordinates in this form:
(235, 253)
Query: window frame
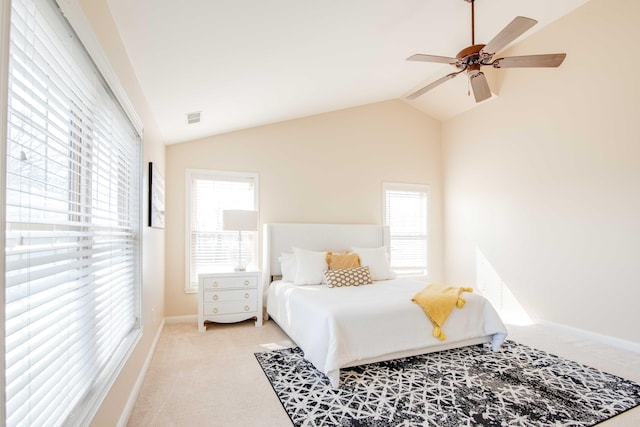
(5, 26)
(215, 175)
(409, 187)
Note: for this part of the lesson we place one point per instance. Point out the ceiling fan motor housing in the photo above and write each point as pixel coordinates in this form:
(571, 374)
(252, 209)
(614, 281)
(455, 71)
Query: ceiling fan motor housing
(469, 58)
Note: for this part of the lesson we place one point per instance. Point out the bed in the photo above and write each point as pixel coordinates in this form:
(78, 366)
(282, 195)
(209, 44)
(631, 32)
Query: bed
(354, 325)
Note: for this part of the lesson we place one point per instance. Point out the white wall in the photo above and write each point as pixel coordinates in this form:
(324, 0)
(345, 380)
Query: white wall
(327, 168)
(544, 181)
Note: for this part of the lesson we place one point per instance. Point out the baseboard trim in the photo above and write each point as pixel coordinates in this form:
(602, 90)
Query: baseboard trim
(189, 318)
(603, 339)
(128, 409)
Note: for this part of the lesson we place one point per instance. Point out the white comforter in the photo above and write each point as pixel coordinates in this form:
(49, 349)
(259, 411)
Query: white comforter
(337, 327)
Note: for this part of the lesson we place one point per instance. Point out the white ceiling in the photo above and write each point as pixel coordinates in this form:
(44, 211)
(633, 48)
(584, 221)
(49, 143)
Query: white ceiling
(245, 63)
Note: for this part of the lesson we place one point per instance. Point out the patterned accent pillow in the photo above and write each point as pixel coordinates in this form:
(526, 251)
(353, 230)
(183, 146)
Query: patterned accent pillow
(348, 277)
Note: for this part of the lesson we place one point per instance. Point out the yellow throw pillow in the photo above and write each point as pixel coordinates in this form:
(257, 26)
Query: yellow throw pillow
(343, 260)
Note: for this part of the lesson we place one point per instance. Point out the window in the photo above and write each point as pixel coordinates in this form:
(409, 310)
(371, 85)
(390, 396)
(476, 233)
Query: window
(72, 226)
(208, 194)
(405, 212)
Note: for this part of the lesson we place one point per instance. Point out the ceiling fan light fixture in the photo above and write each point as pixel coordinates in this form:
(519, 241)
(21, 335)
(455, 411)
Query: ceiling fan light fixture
(471, 58)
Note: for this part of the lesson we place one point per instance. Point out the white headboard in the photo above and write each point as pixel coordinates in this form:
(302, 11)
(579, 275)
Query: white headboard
(278, 238)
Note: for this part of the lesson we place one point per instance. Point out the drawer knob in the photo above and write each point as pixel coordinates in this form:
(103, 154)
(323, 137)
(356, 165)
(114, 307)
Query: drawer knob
(246, 308)
(215, 284)
(215, 297)
(246, 283)
(246, 295)
(215, 309)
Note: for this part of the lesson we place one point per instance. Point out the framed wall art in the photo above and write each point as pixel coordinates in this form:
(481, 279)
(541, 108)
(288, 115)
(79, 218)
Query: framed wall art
(156, 197)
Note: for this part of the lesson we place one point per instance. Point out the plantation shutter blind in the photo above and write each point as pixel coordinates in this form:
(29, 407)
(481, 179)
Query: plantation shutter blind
(406, 216)
(72, 225)
(211, 194)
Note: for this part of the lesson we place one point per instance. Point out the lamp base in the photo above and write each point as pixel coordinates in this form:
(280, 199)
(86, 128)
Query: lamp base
(240, 254)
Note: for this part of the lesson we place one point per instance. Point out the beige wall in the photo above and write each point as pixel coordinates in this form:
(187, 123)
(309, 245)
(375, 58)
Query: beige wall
(110, 412)
(544, 181)
(326, 168)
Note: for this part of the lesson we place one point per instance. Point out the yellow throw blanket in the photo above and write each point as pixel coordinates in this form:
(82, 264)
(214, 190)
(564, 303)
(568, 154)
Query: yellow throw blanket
(437, 302)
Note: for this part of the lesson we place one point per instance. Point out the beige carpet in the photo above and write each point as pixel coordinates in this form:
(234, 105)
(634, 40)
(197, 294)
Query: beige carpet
(213, 379)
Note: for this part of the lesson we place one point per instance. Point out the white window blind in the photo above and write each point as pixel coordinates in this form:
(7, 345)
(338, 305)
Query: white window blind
(72, 248)
(210, 193)
(405, 212)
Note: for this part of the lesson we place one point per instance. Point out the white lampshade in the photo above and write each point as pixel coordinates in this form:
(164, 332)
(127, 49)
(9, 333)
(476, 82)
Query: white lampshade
(239, 220)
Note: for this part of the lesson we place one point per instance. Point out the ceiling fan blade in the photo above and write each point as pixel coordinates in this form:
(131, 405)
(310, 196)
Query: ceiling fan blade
(549, 60)
(430, 86)
(515, 29)
(432, 58)
(480, 87)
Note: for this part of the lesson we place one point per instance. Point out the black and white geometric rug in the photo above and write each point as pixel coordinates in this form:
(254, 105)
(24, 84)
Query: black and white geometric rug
(472, 386)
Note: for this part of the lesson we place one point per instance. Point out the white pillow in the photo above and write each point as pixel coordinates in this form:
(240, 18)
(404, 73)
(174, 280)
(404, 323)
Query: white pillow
(288, 266)
(377, 260)
(310, 266)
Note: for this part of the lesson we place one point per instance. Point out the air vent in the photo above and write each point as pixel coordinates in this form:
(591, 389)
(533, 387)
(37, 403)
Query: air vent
(193, 118)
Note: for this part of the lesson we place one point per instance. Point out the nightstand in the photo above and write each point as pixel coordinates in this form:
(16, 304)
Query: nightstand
(229, 297)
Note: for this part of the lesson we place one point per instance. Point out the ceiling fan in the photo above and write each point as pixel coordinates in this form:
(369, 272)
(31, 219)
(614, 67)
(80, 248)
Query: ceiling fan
(471, 58)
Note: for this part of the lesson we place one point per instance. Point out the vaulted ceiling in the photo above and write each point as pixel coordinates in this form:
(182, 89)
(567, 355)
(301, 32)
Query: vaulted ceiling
(246, 63)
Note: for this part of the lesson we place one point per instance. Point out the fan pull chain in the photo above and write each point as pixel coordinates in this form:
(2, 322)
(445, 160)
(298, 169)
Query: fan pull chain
(469, 87)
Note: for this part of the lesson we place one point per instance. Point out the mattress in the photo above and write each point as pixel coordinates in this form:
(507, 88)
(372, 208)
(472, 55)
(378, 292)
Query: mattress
(347, 326)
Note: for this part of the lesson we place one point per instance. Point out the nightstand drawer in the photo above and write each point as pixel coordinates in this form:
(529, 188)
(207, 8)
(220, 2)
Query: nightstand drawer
(230, 282)
(230, 307)
(230, 295)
